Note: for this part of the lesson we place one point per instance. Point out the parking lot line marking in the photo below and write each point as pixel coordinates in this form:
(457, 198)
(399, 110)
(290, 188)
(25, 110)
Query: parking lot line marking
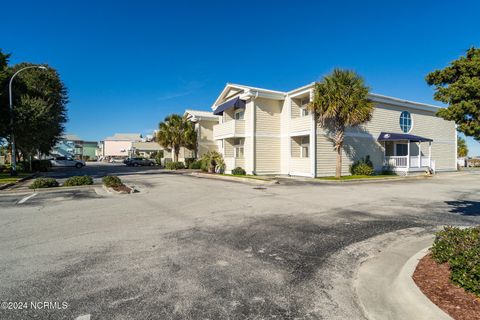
(84, 317)
(27, 197)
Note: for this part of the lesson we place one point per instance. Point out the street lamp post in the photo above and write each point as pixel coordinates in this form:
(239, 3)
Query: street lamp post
(12, 138)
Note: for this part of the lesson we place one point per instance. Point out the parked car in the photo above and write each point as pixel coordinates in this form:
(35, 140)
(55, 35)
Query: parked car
(134, 162)
(66, 162)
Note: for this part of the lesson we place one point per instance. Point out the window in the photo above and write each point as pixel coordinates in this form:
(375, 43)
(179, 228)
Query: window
(405, 121)
(239, 114)
(304, 146)
(238, 149)
(402, 149)
(303, 107)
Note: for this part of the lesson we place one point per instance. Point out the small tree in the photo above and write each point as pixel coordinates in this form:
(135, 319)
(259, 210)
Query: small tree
(462, 149)
(458, 85)
(170, 134)
(341, 101)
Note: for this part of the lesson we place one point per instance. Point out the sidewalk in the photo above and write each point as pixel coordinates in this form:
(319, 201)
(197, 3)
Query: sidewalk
(385, 287)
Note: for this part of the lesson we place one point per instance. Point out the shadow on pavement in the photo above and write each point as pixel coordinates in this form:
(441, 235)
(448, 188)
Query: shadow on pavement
(465, 207)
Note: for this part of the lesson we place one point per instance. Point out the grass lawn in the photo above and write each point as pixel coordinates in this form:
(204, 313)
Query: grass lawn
(354, 177)
(6, 178)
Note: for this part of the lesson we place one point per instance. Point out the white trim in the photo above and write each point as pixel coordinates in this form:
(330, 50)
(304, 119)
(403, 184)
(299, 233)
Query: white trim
(313, 149)
(300, 93)
(375, 97)
(300, 133)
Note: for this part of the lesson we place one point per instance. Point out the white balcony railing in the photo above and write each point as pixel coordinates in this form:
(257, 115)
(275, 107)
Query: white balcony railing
(229, 129)
(402, 162)
(396, 161)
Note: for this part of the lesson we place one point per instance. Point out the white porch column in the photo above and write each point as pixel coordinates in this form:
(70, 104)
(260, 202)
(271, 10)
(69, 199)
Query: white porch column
(419, 154)
(384, 153)
(408, 154)
(429, 153)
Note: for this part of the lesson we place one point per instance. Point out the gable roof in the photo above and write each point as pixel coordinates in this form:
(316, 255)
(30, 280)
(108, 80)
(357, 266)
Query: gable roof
(201, 115)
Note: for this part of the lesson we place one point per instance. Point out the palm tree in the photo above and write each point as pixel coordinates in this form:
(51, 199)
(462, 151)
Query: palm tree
(462, 149)
(176, 132)
(341, 101)
(170, 134)
(190, 136)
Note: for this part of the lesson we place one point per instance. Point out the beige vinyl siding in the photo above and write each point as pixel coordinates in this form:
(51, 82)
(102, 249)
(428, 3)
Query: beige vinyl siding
(268, 116)
(267, 135)
(205, 141)
(300, 166)
(426, 124)
(326, 158)
(362, 141)
(294, 148)
(295, 108)
(268, 155)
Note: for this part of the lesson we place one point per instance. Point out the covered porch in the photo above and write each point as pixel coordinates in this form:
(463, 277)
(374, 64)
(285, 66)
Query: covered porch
(406, 152)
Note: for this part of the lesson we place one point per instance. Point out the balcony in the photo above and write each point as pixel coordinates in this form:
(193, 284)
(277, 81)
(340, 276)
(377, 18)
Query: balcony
(300, 124)
(229, 129)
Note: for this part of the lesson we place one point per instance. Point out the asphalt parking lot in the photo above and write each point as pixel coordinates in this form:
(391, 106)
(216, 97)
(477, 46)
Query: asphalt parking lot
(192, 248)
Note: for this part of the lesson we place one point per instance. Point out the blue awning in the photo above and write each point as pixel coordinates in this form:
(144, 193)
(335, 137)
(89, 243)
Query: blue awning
(388, 136)
(236, 102)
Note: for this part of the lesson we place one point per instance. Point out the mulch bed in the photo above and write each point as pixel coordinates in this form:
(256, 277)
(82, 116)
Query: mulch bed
(122, 188)
(434, 281)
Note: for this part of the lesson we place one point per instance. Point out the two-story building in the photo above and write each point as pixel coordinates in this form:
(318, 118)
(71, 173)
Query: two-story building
(272, 132)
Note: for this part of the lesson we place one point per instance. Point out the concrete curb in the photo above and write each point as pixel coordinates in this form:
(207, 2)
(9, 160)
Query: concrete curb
(233, 179)
(385, 287)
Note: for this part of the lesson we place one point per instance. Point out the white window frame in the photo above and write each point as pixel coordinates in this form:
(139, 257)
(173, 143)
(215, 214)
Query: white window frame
(305, 145)
(240, 145)
(237, 112)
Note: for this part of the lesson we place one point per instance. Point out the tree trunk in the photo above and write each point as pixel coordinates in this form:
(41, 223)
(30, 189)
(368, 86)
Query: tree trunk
(339, 146)
(176, 153)
(338, 167)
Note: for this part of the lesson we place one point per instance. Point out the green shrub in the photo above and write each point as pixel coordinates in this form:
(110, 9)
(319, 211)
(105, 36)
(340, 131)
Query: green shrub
(195, 165)
(388, 172)
(238, 171)
(44, 183)
(174, 165)
(78, 181)
(188, 162)
(461, 249)
(112, 181)
(362, 167)
(213, 162)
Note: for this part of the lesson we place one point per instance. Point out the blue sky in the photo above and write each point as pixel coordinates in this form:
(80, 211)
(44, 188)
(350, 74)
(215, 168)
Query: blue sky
(128, 64)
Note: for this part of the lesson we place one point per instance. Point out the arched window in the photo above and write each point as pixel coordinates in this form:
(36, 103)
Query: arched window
(405, 121)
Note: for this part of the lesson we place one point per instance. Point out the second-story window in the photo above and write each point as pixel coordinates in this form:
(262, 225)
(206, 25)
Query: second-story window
(304, 107)
(239, 114)
(238, 147)
(304, 147)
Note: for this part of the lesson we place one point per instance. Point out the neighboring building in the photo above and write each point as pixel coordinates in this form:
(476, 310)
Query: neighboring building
(71, 145)
(89, 150)
(272, 132)
(145, 149)
(119, 145)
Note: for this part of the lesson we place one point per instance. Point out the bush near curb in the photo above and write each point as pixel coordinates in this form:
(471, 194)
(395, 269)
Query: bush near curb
(112, 181)
(362, 167)
(78, 181)
(461, 249)
(239, 171)
(174, 165)
(195, 165)
(44, 183)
